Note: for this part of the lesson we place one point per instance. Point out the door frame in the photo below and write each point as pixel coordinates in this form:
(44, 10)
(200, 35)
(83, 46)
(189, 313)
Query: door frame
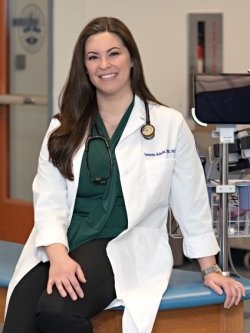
(16, 216)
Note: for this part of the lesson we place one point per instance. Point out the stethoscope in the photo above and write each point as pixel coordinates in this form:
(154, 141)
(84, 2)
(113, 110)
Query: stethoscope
(147, 130)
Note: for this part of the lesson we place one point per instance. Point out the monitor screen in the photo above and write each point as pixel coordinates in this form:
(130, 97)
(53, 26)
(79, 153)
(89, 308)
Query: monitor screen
(222, 98)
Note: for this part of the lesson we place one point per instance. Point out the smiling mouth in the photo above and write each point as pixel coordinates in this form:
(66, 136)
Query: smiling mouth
(107, 76)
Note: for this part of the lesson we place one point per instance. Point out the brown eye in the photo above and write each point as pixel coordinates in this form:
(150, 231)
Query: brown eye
(92, 57)
(114, 54)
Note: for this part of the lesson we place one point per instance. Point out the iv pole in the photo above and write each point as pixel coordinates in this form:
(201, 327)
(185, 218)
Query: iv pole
(226, 135)
(223, 226)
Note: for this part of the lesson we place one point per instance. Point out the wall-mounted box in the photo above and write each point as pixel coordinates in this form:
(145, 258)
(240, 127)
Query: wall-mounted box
(205, 48)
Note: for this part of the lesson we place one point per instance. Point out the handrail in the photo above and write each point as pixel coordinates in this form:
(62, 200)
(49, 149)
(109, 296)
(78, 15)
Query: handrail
(23, 100)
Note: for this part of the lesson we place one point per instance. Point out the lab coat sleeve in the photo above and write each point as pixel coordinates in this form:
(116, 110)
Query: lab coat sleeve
(50, 201)
(189, 198)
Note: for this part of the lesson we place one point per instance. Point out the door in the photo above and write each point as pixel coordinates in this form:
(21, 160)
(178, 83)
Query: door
(25, 107)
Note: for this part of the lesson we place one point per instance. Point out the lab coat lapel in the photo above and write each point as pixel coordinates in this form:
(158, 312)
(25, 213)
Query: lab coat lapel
(136, 119)
(73, 185)
(131, 163)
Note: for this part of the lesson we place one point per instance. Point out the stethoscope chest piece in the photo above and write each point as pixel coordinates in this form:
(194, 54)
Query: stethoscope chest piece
(148, 131)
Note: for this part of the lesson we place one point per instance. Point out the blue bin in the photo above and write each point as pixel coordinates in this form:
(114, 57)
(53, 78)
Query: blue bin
(244, 195)
(210, 191)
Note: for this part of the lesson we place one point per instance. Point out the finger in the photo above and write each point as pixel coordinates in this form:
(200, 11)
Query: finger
(61, 289)
(50, 287)
(77, 288)
(236, 292)
(231, 298)
(241, 292)
(234, 295)
(80, 275)
(69, 289)
(230, 292)
(215, 288)
(238, 298)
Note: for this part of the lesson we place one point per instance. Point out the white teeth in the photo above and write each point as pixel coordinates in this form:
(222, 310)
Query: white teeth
(107, 76)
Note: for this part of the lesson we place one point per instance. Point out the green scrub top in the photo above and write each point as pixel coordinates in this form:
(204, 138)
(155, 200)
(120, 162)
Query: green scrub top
(99, 210)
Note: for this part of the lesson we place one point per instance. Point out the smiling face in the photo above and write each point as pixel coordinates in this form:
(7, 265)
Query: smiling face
(108, 64)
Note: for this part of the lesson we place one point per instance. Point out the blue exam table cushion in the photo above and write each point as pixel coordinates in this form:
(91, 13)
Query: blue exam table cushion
(9, 254)
(185, 290)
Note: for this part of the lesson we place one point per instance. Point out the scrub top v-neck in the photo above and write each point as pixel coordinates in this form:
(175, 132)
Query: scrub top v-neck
(99, 210)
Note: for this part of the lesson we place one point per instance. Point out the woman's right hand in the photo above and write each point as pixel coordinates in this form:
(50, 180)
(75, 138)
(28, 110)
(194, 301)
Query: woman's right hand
(65, 273)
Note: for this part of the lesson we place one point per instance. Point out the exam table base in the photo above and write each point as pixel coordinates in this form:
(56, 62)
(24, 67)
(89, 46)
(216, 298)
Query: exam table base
(205, 319)
(3, 292)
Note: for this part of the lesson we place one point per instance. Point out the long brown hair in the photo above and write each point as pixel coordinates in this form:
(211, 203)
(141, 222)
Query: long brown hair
(77, 101)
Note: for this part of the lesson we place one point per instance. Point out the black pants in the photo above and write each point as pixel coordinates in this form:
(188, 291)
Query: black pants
(32, 310)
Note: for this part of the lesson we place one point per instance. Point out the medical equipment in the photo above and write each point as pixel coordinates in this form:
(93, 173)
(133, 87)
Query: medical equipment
(147, 130)
(238, 153)
(102, 180)
(223, 100)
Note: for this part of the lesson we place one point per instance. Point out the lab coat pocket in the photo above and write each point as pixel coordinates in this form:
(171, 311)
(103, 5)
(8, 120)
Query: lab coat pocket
(159, 172)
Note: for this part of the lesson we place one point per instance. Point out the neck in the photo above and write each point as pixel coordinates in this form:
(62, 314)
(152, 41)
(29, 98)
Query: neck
(112, 110)
(114, 105)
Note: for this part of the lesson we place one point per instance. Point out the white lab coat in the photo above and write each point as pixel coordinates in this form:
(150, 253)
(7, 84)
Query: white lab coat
(154, 174)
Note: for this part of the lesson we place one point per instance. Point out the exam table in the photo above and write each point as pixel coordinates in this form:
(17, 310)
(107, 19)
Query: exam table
(187, 306)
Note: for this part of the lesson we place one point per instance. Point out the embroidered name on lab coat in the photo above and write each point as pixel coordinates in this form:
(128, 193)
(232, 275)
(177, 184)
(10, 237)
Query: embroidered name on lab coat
(167, 153)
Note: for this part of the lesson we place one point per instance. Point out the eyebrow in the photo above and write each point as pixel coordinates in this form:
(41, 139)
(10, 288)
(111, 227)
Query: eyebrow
(111, 49)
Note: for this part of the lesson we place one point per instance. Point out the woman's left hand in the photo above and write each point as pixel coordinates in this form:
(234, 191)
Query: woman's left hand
(233, 289)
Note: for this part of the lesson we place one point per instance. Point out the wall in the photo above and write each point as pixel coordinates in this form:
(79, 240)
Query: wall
(160, 29)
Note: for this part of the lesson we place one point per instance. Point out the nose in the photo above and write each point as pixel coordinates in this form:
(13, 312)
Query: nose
(104, 63)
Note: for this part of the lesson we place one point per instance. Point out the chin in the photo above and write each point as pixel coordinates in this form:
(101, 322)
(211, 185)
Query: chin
(108, 92)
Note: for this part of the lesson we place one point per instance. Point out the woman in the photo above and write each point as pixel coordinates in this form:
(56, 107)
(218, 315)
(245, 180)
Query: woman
(101, 197)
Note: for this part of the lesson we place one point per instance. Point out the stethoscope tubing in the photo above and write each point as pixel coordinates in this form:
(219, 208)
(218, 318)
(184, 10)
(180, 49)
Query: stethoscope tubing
(147, 130)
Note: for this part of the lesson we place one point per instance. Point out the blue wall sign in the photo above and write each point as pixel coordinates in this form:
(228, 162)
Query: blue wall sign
(31, 27)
